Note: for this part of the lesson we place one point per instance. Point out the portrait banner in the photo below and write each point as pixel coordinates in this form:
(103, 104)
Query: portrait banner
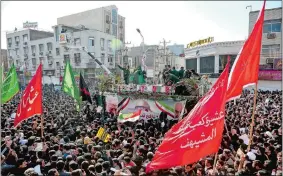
(150, 109)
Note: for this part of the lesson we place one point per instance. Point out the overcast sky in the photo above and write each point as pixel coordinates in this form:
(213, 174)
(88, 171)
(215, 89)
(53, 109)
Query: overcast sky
(180, 22)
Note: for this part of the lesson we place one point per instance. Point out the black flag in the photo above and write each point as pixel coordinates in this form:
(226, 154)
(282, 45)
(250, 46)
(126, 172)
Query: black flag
(84, 92)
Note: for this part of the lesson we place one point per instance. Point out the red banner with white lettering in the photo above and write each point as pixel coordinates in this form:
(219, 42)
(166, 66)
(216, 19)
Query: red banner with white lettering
(197, 135)
(31, 101)
(245, 69)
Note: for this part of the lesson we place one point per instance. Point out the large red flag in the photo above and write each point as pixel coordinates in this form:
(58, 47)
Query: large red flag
(31, 101)
(197, 135)
(244, 71)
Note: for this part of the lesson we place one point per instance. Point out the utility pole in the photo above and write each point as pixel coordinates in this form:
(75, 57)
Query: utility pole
(164, 47)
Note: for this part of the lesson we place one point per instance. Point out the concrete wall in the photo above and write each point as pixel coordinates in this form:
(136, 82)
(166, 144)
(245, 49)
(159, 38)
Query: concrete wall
(4, 59)
(36, 35)
(92, 19)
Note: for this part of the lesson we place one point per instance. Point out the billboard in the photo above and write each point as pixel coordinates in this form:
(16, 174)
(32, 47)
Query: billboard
(200, 42)
(151, 109)
(272, 75)
(30, 25)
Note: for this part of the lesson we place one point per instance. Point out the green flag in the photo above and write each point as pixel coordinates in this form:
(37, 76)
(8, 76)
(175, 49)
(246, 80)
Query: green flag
(69, 85)
(10, 86)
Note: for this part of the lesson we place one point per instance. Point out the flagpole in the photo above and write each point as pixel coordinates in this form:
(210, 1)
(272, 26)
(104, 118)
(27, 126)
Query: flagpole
(253, 119)
(41, 125)
(226, 128)
(214, 163)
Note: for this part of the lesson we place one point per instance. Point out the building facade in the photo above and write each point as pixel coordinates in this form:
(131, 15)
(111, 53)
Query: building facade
(211, 58)
(271, 37)
(4, 60)
(28, 48)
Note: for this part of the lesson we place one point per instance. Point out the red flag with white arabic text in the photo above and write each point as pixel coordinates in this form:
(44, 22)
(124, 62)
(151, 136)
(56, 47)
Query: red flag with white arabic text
(31, 101)
(197, 135)
(245, 69)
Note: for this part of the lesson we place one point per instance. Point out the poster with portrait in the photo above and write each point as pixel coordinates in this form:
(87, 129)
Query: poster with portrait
(111, 104)
(151, 109)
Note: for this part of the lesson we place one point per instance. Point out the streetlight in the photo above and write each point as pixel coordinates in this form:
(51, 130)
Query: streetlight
(139, 31)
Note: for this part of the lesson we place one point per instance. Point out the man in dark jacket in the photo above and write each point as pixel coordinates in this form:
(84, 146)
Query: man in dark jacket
(181, 73)
(126, 72)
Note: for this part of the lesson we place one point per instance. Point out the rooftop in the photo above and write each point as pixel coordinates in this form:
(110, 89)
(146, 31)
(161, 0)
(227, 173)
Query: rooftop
(25, 29)
(266, 10)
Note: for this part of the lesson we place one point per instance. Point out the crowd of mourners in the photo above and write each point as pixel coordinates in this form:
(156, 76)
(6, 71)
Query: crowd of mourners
(69, 146)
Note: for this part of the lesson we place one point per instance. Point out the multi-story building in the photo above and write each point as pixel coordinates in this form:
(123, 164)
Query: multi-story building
(4, 60)
(27, 48)
(104, 19)
(272, 36)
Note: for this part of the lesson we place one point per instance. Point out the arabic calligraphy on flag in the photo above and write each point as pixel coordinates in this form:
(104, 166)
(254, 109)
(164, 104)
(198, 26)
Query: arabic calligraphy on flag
(31, 101)
(197, 135)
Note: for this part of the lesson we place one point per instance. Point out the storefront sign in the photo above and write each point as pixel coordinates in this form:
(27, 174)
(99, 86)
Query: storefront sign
(273, 75)
(277, 64)
(30, 25)
(200, 42)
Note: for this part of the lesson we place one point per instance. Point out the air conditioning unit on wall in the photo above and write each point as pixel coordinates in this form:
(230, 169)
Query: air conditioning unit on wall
(269, 60)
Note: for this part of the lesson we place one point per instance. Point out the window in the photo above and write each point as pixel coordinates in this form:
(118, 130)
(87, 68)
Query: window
(57, 64)
(108, 31)
(102, 58)
(17, 51)
(41, 59)
(102, 43)
(207, 64)
(25, 38)
(10, 53)
(17, 62)
(109, 46)
(77, 42)
(17, 39)
(9, 41)
(25, 50)
(110, 58)
(223, 61)
(114, 29)
(271, 50)
(107, 19)
(272, 26)
(77, 57)
(33, 60)
(41, 47)
(66, 58)
(33, 49)
(57, 51)
(91, 41)
(49, 46)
